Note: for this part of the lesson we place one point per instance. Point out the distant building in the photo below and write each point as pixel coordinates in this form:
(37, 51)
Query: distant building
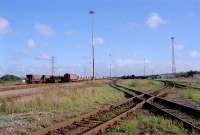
(196, 76)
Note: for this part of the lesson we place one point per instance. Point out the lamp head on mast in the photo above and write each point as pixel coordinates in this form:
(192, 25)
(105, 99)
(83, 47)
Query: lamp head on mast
(91, 12)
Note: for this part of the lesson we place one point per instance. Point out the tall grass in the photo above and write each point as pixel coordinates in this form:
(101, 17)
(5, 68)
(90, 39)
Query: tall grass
(60, 99)
(152, 125)
(142, 85)
(189, 81)
(191, 94)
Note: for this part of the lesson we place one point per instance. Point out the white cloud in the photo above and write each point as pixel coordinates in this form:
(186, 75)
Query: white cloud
(44, 56)
(195, 54)
(31, 44)
(4, 26)
(44, 30)
(155, 20)
(98, 40)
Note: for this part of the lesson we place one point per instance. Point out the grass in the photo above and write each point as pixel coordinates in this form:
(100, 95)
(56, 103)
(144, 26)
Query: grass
(152, 125)
(109, 115)
(143, 85)
(189, 81)
(8, 83)
(191, 94)
(62, 100)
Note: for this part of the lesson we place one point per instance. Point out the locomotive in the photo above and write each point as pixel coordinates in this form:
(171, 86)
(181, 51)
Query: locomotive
(55, 79)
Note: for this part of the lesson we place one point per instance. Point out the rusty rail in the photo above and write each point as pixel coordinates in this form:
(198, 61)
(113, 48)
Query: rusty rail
(88, 124)
(190, 117)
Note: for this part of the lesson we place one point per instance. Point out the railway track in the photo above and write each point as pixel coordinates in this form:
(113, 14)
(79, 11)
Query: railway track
(85, 124)
(178, 85)
(98, 122)
(190, 117)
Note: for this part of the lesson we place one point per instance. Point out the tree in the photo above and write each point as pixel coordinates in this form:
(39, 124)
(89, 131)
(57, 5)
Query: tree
(10, 78)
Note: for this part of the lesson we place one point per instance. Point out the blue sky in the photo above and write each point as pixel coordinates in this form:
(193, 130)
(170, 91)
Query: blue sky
(130, 30)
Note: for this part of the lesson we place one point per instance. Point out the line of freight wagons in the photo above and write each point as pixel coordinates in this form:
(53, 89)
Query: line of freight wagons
(55, 79)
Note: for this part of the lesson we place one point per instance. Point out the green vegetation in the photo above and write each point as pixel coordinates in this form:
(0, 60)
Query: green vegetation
(143, 85)
(151, 125)
(61, 100)
(9, 78)
(189, 81)
(109, 115)
(191, 94)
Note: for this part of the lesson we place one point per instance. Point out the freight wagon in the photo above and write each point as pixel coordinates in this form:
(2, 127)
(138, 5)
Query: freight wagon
(70, 78)
(54, 79)
(35, 79)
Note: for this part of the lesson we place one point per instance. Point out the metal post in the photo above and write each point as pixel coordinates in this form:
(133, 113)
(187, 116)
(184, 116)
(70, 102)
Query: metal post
(173, 56)
(92, 28)
(110, 66)
(52, 65)
(144, 66)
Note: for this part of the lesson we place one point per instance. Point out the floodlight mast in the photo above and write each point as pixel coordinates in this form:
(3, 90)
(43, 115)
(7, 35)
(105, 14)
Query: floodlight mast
(92, 13)
(52, 65)
(173, 56)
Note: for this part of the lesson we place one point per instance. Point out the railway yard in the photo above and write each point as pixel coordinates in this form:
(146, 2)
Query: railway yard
(99, 67)
(104, 106)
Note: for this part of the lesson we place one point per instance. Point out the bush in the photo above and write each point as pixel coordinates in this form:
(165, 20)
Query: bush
(10, 78)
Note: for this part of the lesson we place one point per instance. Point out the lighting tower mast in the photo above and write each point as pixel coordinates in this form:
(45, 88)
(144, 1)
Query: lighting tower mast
(144, 66)
(52, 65)
(173, 56)
(110, 65)
(92, 13)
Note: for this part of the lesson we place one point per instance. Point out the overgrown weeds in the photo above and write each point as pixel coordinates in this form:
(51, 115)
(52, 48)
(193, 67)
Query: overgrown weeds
(153, 125)
(191, 94)
(60, 99)
(143, 85)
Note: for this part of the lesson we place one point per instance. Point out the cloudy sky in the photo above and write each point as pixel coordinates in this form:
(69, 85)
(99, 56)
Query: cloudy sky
(33, 31)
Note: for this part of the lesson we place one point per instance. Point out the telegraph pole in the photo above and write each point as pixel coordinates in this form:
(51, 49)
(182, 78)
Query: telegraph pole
(92, 13)
(173, 56)
(52, 65)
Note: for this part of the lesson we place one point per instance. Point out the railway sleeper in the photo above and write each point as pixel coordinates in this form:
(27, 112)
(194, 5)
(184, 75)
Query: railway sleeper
(163, 112)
